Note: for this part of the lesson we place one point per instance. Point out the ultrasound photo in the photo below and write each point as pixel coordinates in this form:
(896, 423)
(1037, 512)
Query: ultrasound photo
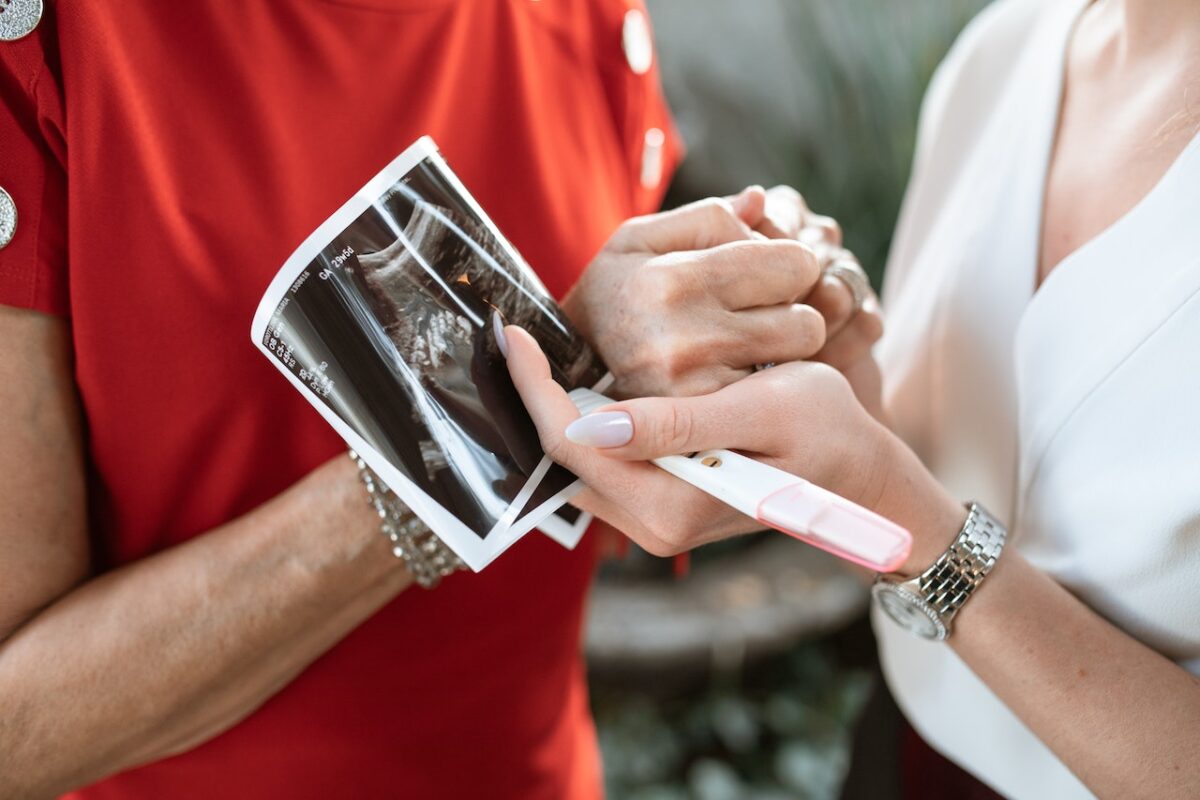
(383, 319)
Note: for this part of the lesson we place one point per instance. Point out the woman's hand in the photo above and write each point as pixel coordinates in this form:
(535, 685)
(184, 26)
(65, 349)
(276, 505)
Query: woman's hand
(800, 417)
(850, 333)
(687, 301)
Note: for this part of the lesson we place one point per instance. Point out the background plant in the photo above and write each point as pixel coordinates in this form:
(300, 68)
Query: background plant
(821, 95)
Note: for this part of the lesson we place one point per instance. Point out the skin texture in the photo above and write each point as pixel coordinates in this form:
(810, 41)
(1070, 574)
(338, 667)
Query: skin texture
(1122, 717)
(801, 417)
(849, 333)
(687, 301)
(94, 680)
(1130, 103)
(686, 366)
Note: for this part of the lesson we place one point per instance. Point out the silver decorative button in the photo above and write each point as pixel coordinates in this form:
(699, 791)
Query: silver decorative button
(18, 18)
(652, 158)
(635, 38)
(8, 218)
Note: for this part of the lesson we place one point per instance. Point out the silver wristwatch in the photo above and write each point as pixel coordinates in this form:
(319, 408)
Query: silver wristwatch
(926, 605)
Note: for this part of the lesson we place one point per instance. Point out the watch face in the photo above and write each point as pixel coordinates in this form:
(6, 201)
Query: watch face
(909, 611)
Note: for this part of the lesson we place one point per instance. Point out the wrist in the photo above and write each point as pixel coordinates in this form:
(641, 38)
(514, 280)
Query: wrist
(576, 308)
(912, 497)
(426, 556)
(338, 491)
(928, 604)
(1010, 574)
(327, 531)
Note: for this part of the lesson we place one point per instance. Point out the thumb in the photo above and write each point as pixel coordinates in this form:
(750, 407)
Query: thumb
(547, 402)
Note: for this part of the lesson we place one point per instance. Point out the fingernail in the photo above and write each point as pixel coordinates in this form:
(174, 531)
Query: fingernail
(601, 429)
(498, 332)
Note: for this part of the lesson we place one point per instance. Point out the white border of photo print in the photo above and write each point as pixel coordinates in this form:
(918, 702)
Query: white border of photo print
(475, 549)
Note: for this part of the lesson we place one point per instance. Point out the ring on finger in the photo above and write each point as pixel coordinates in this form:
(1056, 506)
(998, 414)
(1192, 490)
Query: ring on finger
(847, 270)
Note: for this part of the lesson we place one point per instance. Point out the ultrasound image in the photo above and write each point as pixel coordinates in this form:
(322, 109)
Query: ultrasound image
(394, 316)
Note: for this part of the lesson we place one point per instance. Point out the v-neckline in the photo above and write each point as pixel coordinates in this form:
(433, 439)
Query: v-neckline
(1050, 144)
(1050, 140)
(1084, 305)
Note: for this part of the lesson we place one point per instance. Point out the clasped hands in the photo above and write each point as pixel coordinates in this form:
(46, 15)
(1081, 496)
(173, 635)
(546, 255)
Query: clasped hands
(682, 306)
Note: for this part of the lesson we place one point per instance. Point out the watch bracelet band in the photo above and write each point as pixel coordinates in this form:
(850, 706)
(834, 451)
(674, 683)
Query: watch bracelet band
(950, 581)
(425, 555)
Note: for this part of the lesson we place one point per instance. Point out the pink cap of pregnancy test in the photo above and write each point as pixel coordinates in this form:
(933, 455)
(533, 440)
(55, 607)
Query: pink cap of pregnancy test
(834, 524)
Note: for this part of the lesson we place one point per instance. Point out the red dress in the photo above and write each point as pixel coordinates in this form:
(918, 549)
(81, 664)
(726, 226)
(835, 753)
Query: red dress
(164, 158)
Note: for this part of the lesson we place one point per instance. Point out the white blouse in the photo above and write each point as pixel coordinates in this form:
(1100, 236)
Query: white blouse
(1073, 413)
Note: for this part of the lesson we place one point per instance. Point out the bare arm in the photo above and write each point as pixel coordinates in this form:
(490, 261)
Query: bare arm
(151, 659)
(1122, 717)
(1125, 719)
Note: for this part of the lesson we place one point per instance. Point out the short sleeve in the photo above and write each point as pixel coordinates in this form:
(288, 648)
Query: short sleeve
(33, 265)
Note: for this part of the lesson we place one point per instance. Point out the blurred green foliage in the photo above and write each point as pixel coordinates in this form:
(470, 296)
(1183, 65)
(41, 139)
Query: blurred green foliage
(780, 732)
(818, 94)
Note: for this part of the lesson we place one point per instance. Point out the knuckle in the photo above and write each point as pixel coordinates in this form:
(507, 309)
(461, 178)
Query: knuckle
(786, 209)
(716, 209)
(671, 428)
(555, 445)
(778, 392)
(680, 423)
(661, 282)
(811, 329)
(832, 230)
(800, 259)
(707, 382)
(871, 326)
(650, 543)
(810, 263)
(655, 545)
(673, 538)
(629, 231)
(674, 357)
(839, 300)
(786, 384)
(658, 524)
(722, 221)
(817, 374)
(787, 192)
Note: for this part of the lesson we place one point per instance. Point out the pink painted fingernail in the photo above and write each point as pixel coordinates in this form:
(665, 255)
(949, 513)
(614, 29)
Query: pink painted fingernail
(601, 429)
(498, 332)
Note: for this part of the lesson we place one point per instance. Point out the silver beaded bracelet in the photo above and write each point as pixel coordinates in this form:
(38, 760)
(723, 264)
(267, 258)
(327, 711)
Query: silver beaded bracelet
(426, 556)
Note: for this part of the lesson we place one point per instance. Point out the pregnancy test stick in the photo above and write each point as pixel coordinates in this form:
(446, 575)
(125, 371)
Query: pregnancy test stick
(784, 502)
